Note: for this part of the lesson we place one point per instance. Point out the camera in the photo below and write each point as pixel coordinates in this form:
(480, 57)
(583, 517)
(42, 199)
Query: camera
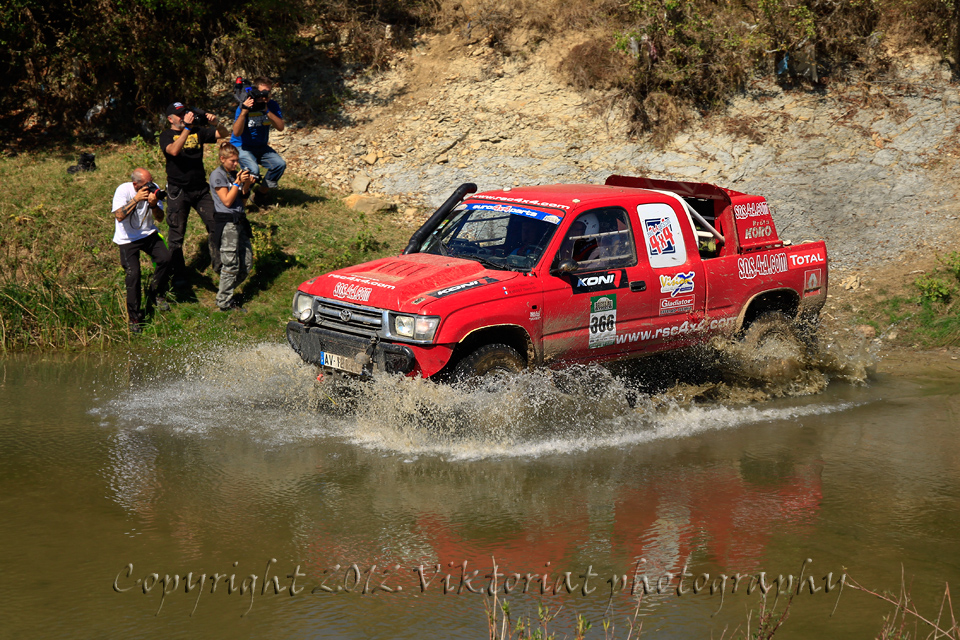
(199, 116)
(153, 188)
(243, 89)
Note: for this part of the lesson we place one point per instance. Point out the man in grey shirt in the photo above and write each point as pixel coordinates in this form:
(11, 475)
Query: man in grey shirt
(230, 190)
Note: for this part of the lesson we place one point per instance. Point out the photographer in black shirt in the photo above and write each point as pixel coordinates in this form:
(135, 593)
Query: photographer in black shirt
(182, 145)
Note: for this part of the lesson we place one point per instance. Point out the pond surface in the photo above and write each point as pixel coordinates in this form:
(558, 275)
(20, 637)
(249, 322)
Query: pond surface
(238, 466)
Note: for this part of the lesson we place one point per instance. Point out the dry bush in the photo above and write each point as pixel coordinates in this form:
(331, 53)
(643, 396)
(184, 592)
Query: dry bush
(746, 127)
(596, 65)
(662, 114)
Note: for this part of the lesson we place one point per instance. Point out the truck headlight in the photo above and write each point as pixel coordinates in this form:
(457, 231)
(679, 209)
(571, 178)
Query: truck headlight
(301, 302)
(415, 327)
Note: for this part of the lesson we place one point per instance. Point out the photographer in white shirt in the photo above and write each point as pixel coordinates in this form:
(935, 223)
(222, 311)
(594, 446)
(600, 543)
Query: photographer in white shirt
(137, 207)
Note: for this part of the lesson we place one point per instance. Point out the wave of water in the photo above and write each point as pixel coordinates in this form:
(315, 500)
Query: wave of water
(268, 394)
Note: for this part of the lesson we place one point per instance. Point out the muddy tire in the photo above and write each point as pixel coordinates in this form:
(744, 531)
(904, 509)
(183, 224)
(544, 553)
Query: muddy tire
(773, 349)
(488, 360)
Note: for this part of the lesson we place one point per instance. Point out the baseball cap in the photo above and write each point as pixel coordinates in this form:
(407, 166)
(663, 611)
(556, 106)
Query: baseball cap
(176, 109)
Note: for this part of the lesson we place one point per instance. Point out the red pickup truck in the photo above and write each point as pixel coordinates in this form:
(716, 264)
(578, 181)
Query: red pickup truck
(560, 274)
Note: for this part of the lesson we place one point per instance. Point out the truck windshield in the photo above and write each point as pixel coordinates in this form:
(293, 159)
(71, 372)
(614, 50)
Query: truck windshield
(500, 236)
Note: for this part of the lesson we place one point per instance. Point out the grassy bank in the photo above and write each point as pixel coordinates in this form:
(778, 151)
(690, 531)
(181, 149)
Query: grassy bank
(61, 284)
(915, 310)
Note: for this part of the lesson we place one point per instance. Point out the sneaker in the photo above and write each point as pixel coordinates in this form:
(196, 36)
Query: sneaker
(136, 328)
(233, 305)
(159, 302)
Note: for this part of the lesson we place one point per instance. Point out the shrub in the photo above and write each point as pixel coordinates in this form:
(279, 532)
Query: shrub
(933, 288)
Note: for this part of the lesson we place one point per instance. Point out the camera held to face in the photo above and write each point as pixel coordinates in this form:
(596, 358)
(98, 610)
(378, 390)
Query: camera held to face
(244, 89)
(152, 188)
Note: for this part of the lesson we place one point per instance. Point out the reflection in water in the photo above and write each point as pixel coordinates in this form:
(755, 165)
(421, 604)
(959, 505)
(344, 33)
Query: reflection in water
(241, 457)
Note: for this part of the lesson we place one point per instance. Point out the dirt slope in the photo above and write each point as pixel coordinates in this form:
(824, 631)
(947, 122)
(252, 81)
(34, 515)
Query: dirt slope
(869, 168)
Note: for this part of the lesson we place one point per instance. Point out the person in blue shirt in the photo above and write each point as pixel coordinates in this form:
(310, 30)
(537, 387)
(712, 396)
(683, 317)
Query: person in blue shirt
(251, 135)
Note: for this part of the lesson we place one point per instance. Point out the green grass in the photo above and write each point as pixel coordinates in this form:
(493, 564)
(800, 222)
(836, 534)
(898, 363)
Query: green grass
(928, 317)
(61, 284)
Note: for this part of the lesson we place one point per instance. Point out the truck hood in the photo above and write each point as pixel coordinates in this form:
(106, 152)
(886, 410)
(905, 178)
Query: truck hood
(404, 283)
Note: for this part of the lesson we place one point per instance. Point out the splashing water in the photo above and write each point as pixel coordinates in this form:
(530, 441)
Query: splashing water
(266, 392)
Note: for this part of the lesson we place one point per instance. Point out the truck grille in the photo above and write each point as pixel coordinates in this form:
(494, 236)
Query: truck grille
(348, 318)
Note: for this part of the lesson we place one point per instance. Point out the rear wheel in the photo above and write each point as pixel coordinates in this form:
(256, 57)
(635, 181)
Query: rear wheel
(774, 349)
(489, 359)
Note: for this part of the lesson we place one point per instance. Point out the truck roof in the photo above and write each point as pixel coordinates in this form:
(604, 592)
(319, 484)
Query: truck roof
(562, 196)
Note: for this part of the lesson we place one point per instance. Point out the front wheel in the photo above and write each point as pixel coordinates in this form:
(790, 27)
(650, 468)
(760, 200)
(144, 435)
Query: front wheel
(488, 360)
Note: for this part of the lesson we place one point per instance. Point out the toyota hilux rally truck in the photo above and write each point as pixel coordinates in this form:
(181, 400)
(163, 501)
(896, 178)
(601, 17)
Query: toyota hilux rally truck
(560, 274)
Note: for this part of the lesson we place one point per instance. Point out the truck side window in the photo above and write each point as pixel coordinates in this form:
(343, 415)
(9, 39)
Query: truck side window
(663, 235)
(599, 239)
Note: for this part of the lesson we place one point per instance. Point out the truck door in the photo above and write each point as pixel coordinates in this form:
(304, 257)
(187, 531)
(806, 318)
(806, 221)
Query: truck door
(677, 287)
(585, 311)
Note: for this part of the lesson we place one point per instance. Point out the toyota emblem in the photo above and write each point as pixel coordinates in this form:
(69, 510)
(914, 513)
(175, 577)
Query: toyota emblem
(345, 315)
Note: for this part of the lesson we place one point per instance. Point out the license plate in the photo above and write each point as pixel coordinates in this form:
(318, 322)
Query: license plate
(342, 363)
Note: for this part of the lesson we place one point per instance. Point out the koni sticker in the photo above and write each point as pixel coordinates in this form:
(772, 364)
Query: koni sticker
(750, 267)
(671, 306)
(677, 283)
(600, 281)
(808, 258)
(603, 321)
(457, 288)
(660, 233)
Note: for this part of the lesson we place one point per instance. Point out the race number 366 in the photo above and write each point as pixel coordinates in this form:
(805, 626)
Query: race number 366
(603, 321)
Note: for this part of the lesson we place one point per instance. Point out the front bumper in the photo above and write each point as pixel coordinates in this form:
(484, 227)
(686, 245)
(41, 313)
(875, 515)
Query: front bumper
(370, 353)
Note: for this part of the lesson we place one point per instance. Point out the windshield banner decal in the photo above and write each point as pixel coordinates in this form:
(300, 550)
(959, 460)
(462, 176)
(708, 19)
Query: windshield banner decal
(552, 218)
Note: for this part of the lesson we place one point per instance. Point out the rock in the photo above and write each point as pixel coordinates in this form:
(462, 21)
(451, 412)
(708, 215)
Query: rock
(360, 183)
(442, 159)
(370, 158)
(851, 283)
(367, 204)
(866, 331)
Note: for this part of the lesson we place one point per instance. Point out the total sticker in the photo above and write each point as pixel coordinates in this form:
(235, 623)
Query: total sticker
(603, 321)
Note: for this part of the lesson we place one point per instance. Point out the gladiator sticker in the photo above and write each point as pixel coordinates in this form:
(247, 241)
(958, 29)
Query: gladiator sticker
(812, 280)
(353, 292)
(603, 321)
(659, 232)
(602, 281)
(457, 288)
(807, 258)
(671, 306)
(761, 265)
(677, 283)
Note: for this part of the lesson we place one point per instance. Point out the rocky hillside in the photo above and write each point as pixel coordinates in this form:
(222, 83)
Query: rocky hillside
(871, 168)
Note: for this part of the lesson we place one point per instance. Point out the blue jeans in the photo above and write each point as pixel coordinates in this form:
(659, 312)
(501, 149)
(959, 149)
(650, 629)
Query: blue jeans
(271, 161)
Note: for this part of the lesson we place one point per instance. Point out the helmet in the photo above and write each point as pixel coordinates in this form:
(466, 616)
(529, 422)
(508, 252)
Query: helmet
(591, 224)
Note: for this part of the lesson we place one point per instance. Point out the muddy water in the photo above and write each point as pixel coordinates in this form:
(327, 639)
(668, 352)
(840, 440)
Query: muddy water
(235, 465)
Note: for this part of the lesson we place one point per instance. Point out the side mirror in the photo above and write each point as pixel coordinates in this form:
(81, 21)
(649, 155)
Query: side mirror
(567, 266)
